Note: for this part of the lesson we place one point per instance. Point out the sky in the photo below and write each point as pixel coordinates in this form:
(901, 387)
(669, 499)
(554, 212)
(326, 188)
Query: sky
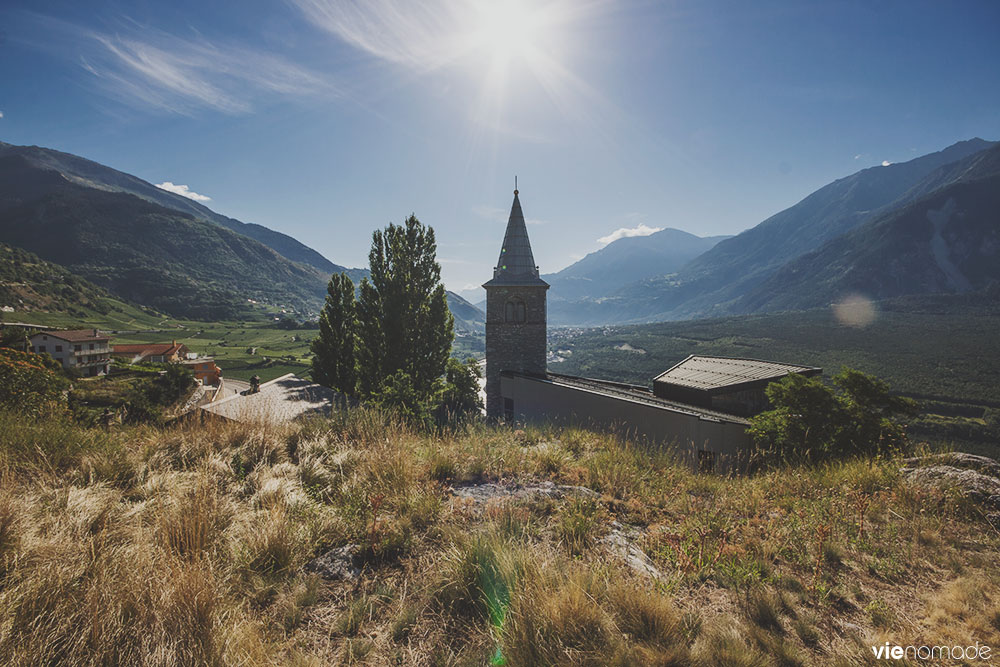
(328, 119)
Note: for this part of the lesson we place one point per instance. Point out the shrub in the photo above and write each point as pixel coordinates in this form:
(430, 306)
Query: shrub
(30, 384)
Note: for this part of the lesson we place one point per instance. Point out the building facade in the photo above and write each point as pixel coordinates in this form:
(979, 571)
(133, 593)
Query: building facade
(515, 314)
(85, 351)
(697, 409)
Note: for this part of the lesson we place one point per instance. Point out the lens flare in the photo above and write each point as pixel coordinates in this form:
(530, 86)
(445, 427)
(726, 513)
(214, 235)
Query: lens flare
(855, 310)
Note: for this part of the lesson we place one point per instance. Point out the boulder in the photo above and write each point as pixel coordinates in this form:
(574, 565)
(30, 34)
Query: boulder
(338, 564)
(975, 477)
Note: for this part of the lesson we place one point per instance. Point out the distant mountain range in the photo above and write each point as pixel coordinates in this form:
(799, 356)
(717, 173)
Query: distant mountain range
(627, 260)
(925, 226)
(735, 275)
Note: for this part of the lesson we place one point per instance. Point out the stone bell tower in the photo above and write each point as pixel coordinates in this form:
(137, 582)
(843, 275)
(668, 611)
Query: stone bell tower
(515, 314)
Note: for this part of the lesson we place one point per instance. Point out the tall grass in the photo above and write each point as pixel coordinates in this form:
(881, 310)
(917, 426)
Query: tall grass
(185, 545)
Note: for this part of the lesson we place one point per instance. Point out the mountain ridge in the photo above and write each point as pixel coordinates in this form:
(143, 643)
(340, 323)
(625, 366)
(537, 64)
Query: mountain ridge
(89, 173)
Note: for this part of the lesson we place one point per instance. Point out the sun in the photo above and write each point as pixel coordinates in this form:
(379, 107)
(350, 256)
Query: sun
(508, 30)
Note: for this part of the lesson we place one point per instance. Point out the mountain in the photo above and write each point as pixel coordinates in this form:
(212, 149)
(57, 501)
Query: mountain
(468, 318)
(627, 260)
(99, 177)
(147, 253)
(945, 240)
(713, 282)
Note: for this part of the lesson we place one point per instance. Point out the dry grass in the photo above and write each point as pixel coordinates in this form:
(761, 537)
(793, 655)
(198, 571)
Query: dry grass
(185, 546)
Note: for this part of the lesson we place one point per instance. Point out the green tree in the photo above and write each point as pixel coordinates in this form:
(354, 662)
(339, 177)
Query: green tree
(810, 420)
(404, 322)
(461, 392)
(334, 361)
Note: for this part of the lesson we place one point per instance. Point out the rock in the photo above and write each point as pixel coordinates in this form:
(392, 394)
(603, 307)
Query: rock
(975, 485)
(621, 543)
(487, 490)
(982, 464)
(338, 564)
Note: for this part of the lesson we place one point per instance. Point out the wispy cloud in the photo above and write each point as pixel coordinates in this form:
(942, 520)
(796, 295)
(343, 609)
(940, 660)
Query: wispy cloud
(639, 230)
(182, 190)
(153, 68)
(1, 114)
(418, 35)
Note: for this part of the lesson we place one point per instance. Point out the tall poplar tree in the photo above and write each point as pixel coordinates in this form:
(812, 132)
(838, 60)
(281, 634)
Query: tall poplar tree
(403, 317)
(334, 361)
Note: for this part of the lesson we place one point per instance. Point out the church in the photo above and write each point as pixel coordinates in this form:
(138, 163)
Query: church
(699, 408)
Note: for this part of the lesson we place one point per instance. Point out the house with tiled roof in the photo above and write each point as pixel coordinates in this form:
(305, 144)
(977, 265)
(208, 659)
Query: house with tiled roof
(155, 353)
(86, 351)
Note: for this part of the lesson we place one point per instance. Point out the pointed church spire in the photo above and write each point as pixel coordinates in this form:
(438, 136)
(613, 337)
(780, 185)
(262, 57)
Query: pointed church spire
(516, 265)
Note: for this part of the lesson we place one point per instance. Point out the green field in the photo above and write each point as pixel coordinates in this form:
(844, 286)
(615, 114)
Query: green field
(278, 351)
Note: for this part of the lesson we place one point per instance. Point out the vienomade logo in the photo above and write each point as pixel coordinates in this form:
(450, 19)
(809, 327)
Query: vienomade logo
(889, 651)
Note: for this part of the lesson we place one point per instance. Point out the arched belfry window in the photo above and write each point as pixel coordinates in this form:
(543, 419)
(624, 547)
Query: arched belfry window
(514, 311)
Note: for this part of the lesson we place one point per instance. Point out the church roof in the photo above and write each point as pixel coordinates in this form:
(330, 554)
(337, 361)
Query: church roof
(516, 265)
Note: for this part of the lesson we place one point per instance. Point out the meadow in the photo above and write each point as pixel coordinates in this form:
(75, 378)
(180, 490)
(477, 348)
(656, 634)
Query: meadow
(187, 545)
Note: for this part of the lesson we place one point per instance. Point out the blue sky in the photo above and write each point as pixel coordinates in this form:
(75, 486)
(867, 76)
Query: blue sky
(326, 120)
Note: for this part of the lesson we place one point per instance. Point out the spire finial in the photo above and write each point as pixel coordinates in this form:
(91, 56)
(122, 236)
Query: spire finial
(515, 183)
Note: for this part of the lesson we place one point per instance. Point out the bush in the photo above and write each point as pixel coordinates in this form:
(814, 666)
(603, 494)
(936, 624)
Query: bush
(812, 421)
(30, 383)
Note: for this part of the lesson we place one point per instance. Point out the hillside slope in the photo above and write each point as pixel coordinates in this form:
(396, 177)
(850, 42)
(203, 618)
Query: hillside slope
(711, 283)
(94, 175)
(945, 241)
(144, 252)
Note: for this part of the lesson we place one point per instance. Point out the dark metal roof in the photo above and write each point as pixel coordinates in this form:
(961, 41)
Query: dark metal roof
(76, 335)
(632, 393)
(516, 265)
(714, 373)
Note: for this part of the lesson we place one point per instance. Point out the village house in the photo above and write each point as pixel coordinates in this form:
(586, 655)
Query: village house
(86, 351)
(699, 408)
(204, 369)
(154, 353)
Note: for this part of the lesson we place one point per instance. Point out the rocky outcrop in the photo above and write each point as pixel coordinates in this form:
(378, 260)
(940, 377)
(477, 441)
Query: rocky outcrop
(974, 477)
(516, 491)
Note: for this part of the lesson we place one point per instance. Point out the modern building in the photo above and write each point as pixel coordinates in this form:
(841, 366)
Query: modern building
(154, 353)
(697, 408)
(83, 350)
(727, 384)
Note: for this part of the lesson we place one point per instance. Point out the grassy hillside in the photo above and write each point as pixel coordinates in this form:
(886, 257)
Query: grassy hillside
(186, 546)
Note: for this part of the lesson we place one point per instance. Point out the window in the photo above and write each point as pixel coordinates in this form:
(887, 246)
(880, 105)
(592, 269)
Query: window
(58, 348)
(706, 461)
(41, 348)
(77, 348)
(514, 311)
(91, 346)
(508, 409)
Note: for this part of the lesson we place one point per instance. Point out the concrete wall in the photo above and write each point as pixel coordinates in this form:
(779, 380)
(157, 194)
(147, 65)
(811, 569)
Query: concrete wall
(513, 346)
(686, 434)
